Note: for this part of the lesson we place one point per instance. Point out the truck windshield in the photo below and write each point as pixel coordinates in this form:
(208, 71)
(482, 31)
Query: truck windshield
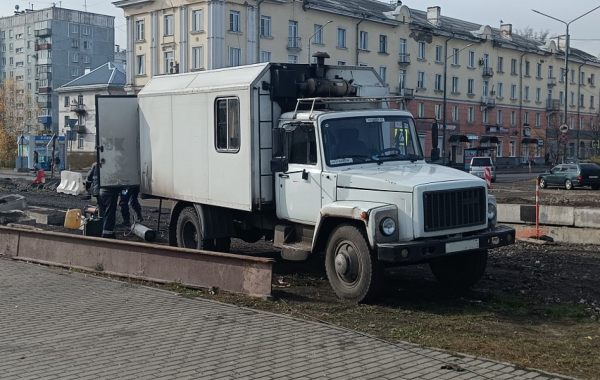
(362, 139)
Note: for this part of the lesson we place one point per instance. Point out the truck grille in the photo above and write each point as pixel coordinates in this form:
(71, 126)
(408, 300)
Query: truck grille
(450, 209)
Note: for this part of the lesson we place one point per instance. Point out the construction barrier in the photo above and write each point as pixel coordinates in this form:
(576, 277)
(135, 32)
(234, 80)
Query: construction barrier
(71, 183)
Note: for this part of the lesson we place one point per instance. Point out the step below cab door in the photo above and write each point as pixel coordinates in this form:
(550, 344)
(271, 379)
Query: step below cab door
(298, 190)
(117, 140)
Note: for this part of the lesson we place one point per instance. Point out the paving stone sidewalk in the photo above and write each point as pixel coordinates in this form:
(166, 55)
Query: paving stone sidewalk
(56, 324)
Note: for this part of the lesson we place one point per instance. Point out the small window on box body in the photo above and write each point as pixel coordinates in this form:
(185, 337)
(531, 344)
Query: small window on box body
(227, 125)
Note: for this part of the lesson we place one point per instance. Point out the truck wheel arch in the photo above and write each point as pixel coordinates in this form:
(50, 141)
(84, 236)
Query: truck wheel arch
(327, 225)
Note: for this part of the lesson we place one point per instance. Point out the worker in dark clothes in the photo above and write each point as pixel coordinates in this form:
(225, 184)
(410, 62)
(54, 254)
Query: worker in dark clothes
(129, 197)
(107, 201)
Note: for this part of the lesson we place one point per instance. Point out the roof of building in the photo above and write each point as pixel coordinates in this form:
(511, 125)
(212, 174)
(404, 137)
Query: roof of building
(110, 75)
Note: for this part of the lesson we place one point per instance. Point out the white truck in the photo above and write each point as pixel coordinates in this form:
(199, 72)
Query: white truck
(308, 156)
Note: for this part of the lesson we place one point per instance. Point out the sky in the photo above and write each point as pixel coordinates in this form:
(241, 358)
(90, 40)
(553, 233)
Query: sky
(585, 33)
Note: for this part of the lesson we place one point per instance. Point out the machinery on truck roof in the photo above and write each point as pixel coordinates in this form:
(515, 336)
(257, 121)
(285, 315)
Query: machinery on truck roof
(314, 157)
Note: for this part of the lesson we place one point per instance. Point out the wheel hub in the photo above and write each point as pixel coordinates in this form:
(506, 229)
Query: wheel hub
(341, 263)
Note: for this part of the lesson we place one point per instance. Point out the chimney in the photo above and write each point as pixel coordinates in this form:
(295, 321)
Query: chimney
(433, 15)
(506, 30)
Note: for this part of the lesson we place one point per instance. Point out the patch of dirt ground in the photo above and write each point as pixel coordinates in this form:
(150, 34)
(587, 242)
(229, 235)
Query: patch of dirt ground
(537, 306)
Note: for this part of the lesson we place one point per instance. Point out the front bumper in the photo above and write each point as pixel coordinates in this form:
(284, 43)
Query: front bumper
(425, 250)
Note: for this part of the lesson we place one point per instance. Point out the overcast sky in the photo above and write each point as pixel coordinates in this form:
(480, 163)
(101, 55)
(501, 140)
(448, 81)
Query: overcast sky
(585, 32)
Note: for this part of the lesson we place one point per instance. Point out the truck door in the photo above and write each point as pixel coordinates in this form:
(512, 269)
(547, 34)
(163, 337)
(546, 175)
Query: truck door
(117, 140)
(298, 191)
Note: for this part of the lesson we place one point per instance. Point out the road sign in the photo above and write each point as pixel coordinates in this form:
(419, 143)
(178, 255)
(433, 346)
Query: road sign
(527, 132)
(563, 128)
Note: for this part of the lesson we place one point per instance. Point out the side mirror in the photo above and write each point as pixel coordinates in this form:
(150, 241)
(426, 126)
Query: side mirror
(279, 164)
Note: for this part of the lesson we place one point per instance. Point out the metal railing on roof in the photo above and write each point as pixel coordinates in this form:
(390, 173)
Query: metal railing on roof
(312, 102)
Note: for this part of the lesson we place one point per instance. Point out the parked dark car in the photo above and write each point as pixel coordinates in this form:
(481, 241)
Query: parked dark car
(572, 175)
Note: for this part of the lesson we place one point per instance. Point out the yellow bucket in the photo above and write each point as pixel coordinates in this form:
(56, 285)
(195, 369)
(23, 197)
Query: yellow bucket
(73, 219)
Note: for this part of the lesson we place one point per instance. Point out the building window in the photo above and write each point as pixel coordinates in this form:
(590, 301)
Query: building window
(513, 118)
(572, 76)
(341, 38)
(292, 58)
(550, 71)
(363, 41)
(500, 68)
(139, 30)
(592, 80)
(454, 113)
(421, 50)
(403, 47)
(79, 141)
(383, 73)
(234, 21)
(265, 56)
(581, 101)
(513, 66)
(341, 63)
(86, 59)
(455, 85)
(538, 73)
(87, 44)
(592, 101)
(470, 114)
(86, 30)
(538, 95)
(471, 59)
(140, 65)
(485, 116)
(168, 25)
(421, 79)
(512, 145)
(513, 91)
(383, 45)
(438, 82)
(485, 88)
(572, 98)
(197, 58)
(538, 119)
(561, 96)
(293, 39)
(401, 80)
(499, 150)
(527, 68)
(526, 118)
(197, 20)
(227, 125)
(235, 56)
(470, 85)
(75, 57)
(168, 62)
(499, 117)
(74, 29)
(318, 34)
(438, 54)
(526, 93)
(500, 91)
(67, 104)
(563, 75)
(437, 110)
(421, 110)
(265, 26)
(74, 71)
(75, 43)
(455, 56)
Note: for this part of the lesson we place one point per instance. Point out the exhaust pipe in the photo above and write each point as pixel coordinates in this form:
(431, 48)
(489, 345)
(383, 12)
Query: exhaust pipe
(143, 232)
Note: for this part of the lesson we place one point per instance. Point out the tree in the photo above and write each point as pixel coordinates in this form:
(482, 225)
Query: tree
(528, 32)
(16, 111)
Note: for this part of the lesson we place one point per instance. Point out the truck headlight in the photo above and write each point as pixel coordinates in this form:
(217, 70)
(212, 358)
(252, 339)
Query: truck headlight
(492, 213)
(387, 226)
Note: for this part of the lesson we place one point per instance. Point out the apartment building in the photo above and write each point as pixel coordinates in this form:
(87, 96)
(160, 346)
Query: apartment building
(501, 90)
(40, 50)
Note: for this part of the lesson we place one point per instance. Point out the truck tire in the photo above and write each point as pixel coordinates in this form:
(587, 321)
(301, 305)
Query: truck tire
(460, 271)
(352, 269)
(189, 231)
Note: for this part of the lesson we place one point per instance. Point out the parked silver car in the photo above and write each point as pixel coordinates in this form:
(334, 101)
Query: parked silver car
(478, 165)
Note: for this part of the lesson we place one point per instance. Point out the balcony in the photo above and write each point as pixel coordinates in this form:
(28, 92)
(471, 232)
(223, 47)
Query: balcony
(78, 108)
(551, 82)
(552, 105)
(407, 93)
(294, 43)
(488, 101)
(487, 72)
(404, 59)
(44, 46)
(43, 32)
(44, 90)
(80, 128)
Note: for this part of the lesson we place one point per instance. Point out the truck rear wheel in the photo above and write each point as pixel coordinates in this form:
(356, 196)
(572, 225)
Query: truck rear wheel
(460, 271)
(189, 231)
(353, 271)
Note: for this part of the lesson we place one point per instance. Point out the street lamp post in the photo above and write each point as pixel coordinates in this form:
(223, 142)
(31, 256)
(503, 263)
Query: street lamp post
(314, 34)
(567, 39)
(445, 96)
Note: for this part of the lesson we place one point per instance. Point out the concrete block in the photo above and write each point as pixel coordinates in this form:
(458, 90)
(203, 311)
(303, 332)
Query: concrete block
(12, 202)
(12, 216)
(574, 235)
(46, 216)
(509, 213)
(587, 217)
(557, 215)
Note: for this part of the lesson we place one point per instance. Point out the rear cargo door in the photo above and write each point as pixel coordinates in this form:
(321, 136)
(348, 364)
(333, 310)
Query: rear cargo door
(117, 140)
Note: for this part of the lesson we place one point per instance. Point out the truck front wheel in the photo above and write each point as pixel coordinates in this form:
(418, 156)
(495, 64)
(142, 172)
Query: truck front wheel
(353, 271)
(460, 271)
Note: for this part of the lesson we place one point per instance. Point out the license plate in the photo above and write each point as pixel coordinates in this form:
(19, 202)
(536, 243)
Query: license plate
(594, 176)
(464, 245)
